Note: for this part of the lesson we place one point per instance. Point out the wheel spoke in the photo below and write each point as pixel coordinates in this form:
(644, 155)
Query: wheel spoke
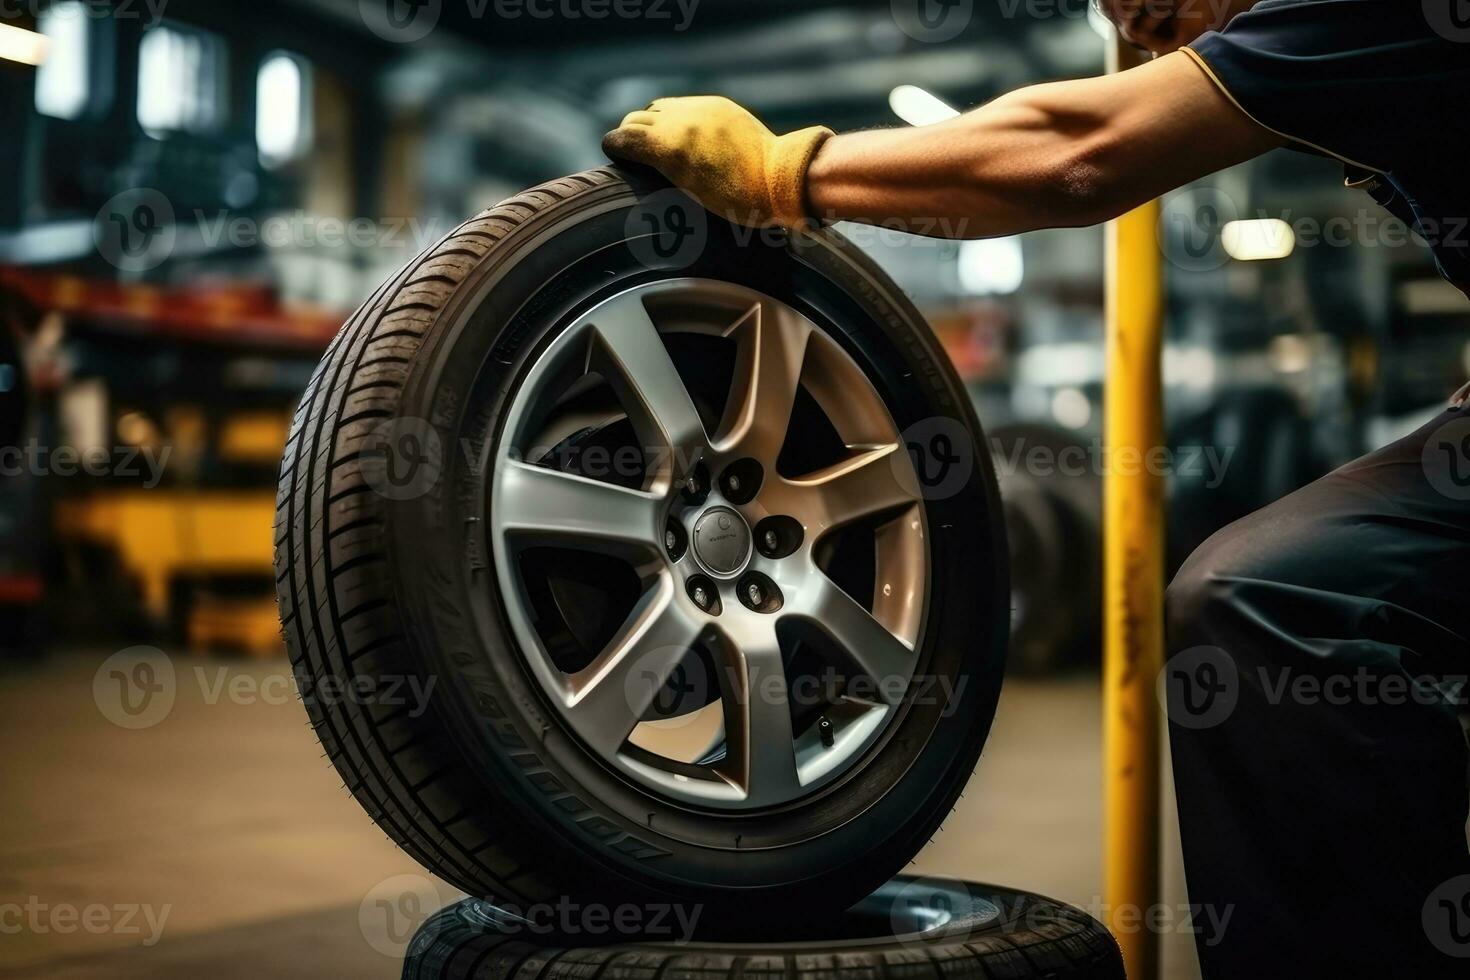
(772, 342)
(626, 349)
(883, 658)
(863, 485)
(762, 748)
(609, 697)
(539, 503)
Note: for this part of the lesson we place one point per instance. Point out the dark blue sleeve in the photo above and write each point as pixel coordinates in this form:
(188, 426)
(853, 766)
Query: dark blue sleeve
(1383, 85)
(1372, 82)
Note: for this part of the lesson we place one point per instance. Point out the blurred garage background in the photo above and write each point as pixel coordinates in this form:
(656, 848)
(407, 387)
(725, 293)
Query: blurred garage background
(196, 194)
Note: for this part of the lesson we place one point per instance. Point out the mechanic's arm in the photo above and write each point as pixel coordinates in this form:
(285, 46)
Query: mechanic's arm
(1054, 155)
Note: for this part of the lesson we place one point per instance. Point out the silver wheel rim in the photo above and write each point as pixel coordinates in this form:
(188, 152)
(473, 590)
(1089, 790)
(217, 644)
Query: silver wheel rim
(746, 751)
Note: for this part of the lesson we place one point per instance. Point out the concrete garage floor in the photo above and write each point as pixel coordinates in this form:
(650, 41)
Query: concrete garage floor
(219, 843)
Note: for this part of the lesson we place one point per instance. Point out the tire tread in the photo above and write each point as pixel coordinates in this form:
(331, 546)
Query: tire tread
(1040, 938)
(335, 594)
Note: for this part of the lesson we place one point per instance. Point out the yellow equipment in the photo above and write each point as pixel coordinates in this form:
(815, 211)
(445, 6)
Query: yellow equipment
(161, 535)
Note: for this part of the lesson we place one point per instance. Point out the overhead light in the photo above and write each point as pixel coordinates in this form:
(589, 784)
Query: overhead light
(19, 44)
(918, 107)
(991, 266)
(1258, 239)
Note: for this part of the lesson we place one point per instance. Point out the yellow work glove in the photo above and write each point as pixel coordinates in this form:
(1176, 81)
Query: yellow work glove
(722, 156)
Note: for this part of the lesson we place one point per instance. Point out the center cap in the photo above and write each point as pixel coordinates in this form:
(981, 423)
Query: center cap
(721, 540)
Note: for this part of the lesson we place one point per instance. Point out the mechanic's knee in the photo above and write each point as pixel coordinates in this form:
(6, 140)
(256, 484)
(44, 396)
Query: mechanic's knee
(1202, 596)
(1189, 600)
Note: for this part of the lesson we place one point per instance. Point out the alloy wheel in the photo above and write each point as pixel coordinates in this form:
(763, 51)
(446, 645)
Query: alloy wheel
(687, 596)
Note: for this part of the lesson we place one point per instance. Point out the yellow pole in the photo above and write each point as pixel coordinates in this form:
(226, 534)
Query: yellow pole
(1133, 505)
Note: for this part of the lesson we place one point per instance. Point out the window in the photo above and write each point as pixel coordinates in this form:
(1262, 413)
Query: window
(180, 81)
(62, 87)
(282, 112)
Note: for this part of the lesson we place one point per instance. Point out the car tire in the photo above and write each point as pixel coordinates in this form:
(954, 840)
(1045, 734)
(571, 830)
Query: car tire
(923, 928)
(408, 641)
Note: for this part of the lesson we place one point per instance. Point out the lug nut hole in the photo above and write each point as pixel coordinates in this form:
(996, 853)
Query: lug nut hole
(741, 481)
(758, 593)
(696, 485)
(702, 593)
(676, 540)
(778, 536)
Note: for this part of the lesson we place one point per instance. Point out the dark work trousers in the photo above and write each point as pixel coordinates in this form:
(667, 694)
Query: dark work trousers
(1318, 654)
